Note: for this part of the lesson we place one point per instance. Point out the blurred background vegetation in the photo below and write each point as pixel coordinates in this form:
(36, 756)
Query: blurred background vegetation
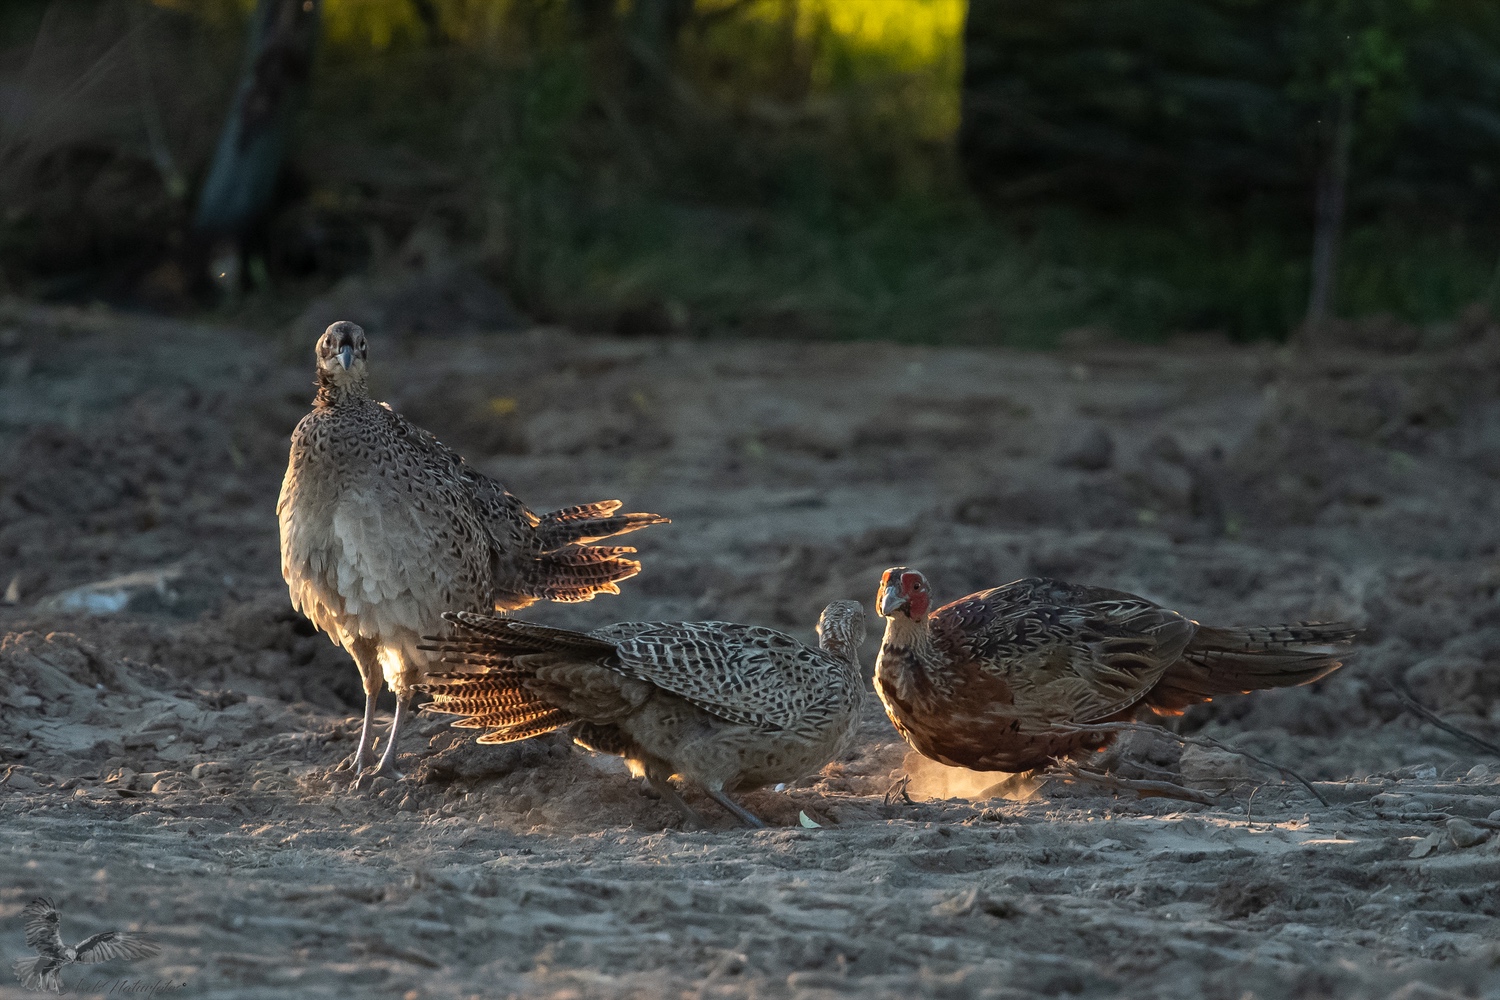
(989, 171)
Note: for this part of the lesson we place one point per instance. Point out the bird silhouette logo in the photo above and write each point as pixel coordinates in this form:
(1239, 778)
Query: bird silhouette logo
(44, 972)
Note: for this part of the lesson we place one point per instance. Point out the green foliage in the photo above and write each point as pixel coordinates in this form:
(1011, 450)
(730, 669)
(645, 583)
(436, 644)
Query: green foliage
(793, 168)
(1116, 101)
(1217, 116)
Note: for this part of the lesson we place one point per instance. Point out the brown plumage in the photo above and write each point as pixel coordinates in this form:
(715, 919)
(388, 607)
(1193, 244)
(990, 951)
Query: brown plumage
(728, 707)
(983, 682)
(384, 528)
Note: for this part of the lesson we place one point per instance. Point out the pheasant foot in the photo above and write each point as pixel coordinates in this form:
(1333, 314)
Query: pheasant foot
(740, 812)
(664, 788)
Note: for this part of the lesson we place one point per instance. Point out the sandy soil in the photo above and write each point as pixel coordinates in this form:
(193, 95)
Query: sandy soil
(164, 715)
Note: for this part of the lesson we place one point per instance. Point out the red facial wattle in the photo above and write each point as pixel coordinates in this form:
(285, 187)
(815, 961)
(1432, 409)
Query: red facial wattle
(917, 598)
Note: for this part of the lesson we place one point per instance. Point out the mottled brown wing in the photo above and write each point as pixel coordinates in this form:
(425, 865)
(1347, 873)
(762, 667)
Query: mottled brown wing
(377, 531)
(508, 521)
(743, 673)
(534, 557)
(1068, 653)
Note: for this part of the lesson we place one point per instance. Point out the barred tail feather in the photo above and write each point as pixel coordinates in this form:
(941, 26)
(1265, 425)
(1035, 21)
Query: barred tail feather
(584, 511)
(582, 573)
(589, 523)
(546, 724)
(1237, 660)
(497, 701)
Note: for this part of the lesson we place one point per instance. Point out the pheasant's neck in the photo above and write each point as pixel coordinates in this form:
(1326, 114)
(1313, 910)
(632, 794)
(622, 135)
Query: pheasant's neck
(842, 646)
(332, 390)
(906, 644)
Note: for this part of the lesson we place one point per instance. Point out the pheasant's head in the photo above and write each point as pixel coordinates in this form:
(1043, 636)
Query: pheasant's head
(341, 356)
(841, 629)
(903, 592)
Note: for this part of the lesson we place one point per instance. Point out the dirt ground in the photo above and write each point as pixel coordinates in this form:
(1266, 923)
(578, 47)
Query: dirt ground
(165, 717)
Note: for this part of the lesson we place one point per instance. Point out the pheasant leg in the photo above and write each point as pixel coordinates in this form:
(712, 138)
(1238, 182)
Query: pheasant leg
(364, 653)
(387, 766)
(352, 766)
(664, 788)
(740, 812)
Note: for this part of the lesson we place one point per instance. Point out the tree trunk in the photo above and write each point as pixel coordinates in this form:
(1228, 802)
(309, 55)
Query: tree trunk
(242, 178)
(1328, 216)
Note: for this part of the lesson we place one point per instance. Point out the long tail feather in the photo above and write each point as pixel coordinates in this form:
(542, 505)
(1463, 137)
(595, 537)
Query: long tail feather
(496, 636)
(1236, 660)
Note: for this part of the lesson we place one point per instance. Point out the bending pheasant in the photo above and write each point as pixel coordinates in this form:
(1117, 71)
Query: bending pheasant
(384, 528)
(725, 706)
(980, 683)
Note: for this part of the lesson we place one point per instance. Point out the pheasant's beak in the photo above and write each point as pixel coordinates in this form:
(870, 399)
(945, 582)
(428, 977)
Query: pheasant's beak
(346, 357)
(891, 601)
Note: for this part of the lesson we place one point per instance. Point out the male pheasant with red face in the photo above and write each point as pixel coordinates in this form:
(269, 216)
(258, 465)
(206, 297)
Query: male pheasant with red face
(725, 706)
(384, 528)
(991, 681)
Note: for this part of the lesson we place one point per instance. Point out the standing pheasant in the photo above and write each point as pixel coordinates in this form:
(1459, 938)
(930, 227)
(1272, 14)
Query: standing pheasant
(980, 683)
(384, 528)
(725, 706)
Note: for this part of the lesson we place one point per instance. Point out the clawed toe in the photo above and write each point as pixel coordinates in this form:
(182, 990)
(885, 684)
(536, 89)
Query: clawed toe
(367, 780)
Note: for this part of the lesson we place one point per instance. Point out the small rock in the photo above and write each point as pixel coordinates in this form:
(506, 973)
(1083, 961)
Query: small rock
(1479, 772)
(1213, 770)
(1426, 845)
(1092, 451)
(1494, 816)
(20, 782)
(975, 900)
(114, 595)
(1466, 834)
(1428, 773)
(408, 804)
